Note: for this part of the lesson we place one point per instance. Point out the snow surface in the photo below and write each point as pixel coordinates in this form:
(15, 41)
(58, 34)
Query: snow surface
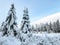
(45, 39)
(36, 39)
(51, 18)
(9, 41)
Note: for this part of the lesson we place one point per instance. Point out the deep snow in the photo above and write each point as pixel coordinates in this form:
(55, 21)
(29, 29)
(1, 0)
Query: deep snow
(9, 41)
(36, 39)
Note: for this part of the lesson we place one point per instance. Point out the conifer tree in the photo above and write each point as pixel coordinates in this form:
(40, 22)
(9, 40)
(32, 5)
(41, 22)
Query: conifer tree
(58, 26)
(9, 27)
(25, 26)
(25, 22)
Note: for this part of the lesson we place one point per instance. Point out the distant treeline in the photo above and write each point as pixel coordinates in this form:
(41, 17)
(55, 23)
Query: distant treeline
(48, 27)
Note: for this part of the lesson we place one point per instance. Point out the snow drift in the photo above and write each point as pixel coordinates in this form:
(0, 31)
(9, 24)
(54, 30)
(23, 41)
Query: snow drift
(36, 39)
(9, 41)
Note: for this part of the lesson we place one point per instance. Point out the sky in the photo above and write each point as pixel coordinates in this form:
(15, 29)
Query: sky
(37, 8)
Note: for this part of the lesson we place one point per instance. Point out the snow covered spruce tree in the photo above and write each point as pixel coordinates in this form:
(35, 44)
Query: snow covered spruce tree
(9, 27)
(25, 26)
(58, 26)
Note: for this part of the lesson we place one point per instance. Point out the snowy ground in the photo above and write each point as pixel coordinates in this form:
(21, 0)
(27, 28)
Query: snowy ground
(45, 39)
(36, 39)
(9, 41)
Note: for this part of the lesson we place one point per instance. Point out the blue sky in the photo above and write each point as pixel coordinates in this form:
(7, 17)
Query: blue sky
(37, 8)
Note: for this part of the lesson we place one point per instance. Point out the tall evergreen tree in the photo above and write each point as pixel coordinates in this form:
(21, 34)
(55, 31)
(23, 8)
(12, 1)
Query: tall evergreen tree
(54, 27)
(10, 25)
(25, 26)
(33, 28)
(45, 28)
(25, 22)
(57, 26)
(50, 26)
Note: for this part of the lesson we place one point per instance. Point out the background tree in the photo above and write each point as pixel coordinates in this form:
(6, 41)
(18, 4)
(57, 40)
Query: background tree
(57, 26)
